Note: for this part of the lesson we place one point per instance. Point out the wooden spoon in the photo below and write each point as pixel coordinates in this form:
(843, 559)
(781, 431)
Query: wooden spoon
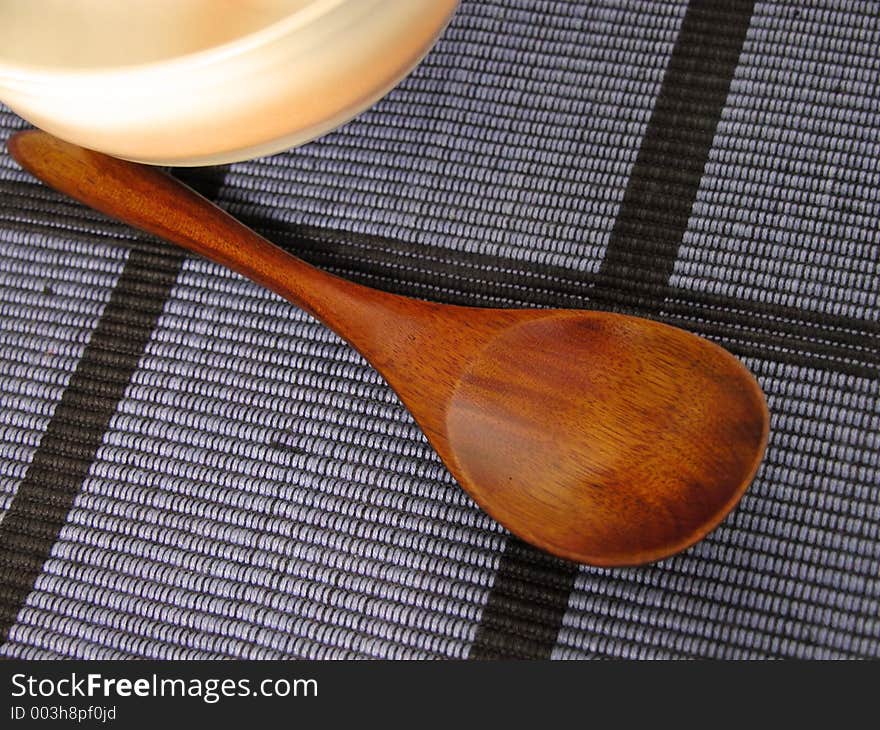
(599, 437)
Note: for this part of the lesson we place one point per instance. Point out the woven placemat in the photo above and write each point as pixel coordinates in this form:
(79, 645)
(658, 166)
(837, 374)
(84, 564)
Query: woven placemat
(192, 468)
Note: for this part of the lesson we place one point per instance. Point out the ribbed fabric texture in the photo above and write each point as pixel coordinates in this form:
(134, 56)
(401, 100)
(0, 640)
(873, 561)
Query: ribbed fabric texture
(191, 467)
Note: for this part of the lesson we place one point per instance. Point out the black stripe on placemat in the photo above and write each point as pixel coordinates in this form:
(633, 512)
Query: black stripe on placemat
(62, 461)
(659, 197)
(525, 607)
(39, 509)
(665, 178)
(748, 328)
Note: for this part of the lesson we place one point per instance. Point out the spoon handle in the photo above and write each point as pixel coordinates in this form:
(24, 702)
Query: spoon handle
(389, 330)
(153, 201)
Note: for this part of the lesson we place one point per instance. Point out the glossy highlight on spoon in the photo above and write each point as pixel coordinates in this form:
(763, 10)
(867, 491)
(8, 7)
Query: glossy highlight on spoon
(599, 437)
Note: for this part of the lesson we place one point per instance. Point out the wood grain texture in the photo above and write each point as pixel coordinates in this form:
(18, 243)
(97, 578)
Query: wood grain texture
(599, 437)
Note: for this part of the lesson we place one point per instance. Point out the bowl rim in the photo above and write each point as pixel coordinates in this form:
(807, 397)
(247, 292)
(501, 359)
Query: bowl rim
(302, 16)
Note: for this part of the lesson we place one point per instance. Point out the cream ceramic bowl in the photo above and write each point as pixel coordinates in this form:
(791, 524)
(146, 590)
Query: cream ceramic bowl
(196, 82)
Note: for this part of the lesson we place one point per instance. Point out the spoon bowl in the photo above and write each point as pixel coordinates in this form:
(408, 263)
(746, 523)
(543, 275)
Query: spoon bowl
(606, 439)
(602, 438)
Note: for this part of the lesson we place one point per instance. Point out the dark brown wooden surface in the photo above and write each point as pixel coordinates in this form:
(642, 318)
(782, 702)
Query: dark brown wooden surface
(602, 438)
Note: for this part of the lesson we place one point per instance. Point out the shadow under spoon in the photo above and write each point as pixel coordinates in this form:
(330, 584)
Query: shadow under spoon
(602, 438)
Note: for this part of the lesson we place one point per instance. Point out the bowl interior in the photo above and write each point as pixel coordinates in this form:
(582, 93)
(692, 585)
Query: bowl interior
(80, 34)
